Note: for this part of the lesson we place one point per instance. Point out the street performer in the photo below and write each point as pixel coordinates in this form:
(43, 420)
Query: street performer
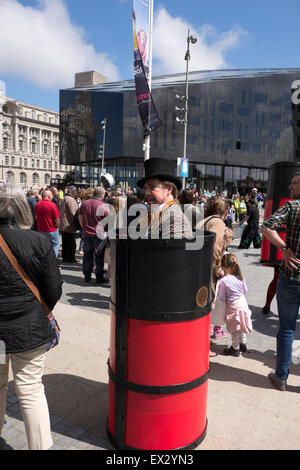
(161, 191)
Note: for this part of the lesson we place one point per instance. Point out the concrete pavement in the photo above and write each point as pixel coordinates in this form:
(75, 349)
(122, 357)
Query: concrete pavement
(244, 410)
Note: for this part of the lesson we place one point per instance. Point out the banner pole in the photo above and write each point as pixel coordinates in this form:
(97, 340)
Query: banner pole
(146, 146)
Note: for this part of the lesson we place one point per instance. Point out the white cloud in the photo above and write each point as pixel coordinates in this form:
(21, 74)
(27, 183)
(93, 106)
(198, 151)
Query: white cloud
(170, 44)
(42, 46)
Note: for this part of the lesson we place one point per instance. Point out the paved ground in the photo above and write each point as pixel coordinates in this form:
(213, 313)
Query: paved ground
(244, 411)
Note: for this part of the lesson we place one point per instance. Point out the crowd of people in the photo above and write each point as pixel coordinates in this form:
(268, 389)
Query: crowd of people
(37, 225)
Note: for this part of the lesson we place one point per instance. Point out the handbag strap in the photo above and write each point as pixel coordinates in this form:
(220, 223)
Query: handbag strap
(22, 273)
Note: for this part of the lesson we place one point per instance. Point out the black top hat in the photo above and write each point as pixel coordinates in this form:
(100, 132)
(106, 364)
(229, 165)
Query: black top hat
(160, 168)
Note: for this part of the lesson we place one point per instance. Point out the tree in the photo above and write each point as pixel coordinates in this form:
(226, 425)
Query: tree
(69, 178)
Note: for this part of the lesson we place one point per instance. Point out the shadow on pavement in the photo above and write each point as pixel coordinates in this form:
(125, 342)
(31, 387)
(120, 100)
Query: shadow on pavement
(268, 324)
(78, 408)
(89, 301)
(226, 373)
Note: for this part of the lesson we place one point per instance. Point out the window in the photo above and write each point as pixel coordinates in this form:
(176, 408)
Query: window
(20, 161)
(23, 178)
(242, 111)
(194, 100)
(45, 148)
(25, 162)
(259, 98)
(6, 160)
(194, 120)
(5, 143)
(45, 164)
(47, 179)
(226, 108)
(21, 145)
(35, 179)
(33, 147)
(10, 177)
(32, 163)
(37, 163)
(56, 150)
(274, 117)
(226, 125)
(193, 139)
(12, 161)
(49, 165)
(257, 148)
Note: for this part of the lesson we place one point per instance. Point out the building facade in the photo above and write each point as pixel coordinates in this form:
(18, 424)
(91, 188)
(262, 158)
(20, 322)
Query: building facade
(239, 123)
(29, 145)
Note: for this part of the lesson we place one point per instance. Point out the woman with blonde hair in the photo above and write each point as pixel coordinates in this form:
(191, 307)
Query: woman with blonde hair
(25, 329)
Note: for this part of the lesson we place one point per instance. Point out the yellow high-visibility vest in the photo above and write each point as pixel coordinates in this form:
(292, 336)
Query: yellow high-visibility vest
(242, 207)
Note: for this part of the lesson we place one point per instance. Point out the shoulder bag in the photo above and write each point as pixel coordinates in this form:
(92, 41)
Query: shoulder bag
(34, 289)
(218, 313)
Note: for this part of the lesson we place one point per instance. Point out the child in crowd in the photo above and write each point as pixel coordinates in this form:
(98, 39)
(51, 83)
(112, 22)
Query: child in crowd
(232, 290)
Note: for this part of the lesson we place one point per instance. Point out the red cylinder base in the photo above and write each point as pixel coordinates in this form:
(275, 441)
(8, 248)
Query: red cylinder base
(171, 360)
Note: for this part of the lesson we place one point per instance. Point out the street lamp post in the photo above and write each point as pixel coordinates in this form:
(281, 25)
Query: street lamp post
(185, 98)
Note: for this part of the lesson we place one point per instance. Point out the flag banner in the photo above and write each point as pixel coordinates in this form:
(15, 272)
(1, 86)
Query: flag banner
(141, 30)
(146, 107)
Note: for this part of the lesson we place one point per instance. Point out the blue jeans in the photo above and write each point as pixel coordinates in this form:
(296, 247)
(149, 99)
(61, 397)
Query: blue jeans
(288, 302)
(54, 240)
(89, 246)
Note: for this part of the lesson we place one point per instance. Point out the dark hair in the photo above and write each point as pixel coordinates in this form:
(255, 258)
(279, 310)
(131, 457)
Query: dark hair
(140, 194)
(131, 200)
(186, 197)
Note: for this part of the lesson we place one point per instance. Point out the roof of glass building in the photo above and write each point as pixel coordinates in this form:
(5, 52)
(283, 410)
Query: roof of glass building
(194, 77)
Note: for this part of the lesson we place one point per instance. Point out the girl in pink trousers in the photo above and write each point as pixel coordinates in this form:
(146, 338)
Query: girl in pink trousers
(232, 290)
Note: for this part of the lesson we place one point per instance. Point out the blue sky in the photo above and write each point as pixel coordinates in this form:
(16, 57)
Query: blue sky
(44, 42)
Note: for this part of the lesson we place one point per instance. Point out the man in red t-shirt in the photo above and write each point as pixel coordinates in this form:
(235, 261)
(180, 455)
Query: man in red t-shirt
(47, 217)
(91, 212)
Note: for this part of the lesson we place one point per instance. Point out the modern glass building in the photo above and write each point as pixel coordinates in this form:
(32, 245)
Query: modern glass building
(239, 123)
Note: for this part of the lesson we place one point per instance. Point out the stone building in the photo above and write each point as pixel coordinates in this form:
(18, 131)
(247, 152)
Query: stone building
(29, 145)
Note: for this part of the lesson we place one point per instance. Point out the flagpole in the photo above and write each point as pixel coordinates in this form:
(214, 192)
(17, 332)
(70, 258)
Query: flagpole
(146, 146)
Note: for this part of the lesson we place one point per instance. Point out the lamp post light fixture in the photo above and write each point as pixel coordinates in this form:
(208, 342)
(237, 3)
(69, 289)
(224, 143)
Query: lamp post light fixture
(185, 99)
(102, 147)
